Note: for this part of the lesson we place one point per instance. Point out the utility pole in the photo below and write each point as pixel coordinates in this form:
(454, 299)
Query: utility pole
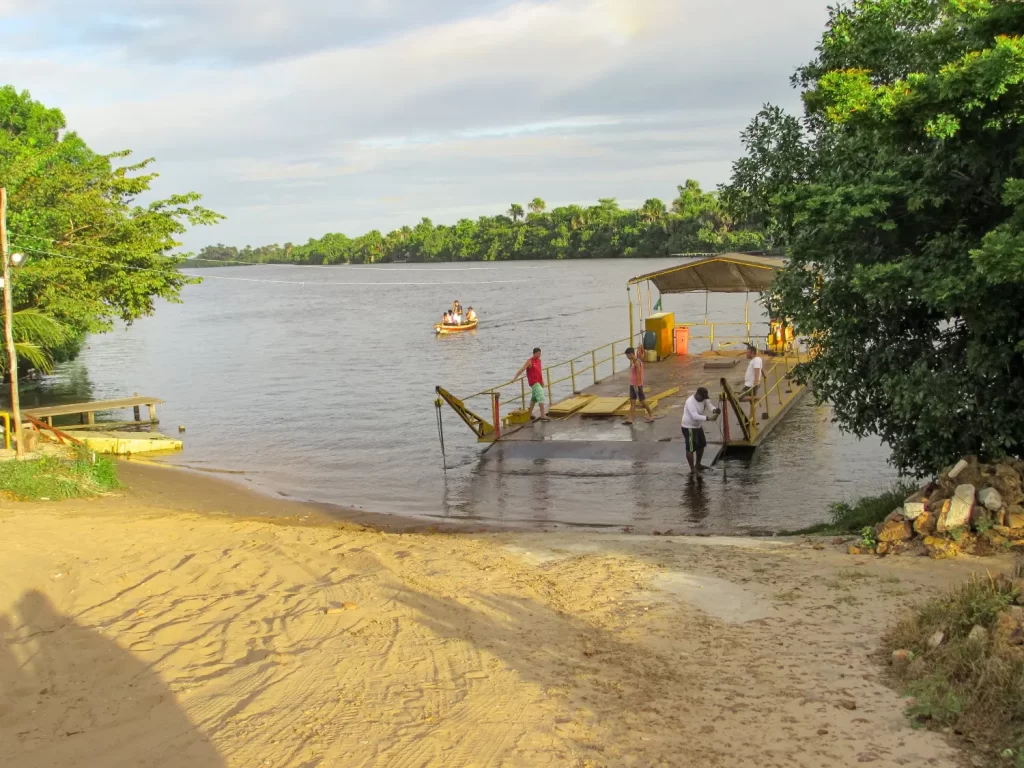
(12, 356)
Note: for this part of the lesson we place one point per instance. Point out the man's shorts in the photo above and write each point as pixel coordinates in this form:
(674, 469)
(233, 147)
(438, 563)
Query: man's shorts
(537, 393)
(636, 393)
(749, 391)
(694, 439)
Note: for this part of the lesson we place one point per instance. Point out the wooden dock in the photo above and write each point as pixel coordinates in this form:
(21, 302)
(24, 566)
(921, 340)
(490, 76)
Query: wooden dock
(580, 434)
(87, 411)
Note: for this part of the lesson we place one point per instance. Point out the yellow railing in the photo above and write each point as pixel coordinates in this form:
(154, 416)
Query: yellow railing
(582, 368)
(596, 364)
(780, 371)
(726, 334)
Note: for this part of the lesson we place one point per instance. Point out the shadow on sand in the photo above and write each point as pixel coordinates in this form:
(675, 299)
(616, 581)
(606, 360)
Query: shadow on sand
(69, 696)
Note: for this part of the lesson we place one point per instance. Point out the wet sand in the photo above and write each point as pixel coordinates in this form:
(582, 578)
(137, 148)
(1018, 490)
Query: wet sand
(188, 622)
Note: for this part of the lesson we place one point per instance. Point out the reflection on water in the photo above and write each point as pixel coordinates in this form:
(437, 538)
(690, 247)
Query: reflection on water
(788, 483)
(325, 392)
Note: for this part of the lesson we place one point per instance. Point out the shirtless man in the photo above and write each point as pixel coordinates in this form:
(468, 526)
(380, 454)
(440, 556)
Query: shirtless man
(636, 386)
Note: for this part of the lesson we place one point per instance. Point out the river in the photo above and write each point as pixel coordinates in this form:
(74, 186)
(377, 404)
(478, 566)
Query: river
(317, 383)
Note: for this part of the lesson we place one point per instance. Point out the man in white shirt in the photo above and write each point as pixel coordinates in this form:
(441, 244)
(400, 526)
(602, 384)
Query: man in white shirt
(752, 378)
(696, 411)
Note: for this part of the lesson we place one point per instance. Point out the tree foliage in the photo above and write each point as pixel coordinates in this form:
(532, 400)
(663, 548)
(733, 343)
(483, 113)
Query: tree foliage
(96, 253)
(697, 223)
(900, 196)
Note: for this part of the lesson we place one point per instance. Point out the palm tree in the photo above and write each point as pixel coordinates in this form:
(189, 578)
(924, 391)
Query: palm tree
(35, 335)
(537, 205)
(515, 211)
(652, 211)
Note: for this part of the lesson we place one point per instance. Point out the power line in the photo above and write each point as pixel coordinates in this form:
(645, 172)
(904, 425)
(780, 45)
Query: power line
(40, 252)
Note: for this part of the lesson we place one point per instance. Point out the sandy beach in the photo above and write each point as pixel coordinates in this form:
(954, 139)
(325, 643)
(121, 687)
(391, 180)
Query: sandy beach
(189, 622)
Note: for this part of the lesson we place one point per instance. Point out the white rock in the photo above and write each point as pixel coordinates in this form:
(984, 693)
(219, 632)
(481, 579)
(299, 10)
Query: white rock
(978, 634)
(913, 509)
(936, 640)
(958, 514)
(991, 499)
(956, 470)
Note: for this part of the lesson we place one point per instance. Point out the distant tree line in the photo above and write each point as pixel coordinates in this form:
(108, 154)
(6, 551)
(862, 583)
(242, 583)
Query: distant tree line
(695, 222)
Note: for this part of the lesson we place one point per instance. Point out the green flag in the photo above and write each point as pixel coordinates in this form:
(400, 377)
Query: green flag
(657, 305)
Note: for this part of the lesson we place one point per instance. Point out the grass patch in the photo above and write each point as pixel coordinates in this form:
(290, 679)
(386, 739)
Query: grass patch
(972, 687)
(846, 518)
(53, 477)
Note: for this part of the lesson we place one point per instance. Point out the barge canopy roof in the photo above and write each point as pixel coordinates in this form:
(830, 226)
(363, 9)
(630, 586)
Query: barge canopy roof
(722, 273)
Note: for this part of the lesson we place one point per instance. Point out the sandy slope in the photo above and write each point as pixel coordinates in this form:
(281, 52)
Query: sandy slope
(135, 635)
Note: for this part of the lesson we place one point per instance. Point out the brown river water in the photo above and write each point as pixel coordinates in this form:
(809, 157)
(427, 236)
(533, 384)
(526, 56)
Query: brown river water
(318, 383)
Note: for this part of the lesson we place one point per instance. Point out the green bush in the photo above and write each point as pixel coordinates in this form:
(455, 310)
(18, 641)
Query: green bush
(867, 512)
(971, 686)
(51, 477)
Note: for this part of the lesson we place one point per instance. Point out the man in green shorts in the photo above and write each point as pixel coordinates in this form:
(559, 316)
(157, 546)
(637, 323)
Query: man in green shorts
(535, 378)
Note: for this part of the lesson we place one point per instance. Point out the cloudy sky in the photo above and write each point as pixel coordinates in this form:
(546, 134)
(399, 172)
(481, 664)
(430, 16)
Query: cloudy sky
(299, 117)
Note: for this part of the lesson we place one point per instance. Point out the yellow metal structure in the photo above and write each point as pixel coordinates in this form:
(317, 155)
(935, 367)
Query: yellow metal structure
(516, 418)
(7, 429)
(604, 406)
(126, 443)
(483, 430)
(661, 324)
(651, 401)
(570, 405)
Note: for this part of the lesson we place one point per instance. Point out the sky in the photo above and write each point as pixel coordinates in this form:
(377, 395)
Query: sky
(298, 117)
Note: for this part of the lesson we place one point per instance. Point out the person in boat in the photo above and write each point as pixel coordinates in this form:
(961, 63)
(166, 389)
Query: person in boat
(446, 318)
(470, 316)
(457, 318)
(456, 308)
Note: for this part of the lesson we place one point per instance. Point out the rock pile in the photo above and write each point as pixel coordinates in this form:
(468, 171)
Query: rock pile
(972, 507)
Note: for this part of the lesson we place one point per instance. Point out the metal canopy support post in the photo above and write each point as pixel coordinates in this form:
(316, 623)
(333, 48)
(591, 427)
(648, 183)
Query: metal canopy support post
(629, 297)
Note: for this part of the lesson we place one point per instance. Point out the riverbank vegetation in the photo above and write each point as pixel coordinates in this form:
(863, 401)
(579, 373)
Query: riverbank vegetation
(899, 197)
(695, 222)
(960, 659)
(866, 512)
(96, 255)
(49, 477)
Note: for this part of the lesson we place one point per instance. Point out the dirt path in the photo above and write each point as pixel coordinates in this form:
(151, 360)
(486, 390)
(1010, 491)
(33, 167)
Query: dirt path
(158, 638)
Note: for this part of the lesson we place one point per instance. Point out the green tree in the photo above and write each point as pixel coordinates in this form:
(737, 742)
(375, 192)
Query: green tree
(604, 230)
(36, 335)
(96, 254)
(652, 211)
(901, 198)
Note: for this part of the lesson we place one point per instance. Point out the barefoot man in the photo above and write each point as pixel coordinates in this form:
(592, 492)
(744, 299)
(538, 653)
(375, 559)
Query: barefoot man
(636, 386)
(695, 413)
(752, 378)
(535, 378)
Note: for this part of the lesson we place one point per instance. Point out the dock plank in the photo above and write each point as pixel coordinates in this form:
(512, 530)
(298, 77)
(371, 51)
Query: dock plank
(604, 406)
(570, 405)
(651, 401)
(72, 409)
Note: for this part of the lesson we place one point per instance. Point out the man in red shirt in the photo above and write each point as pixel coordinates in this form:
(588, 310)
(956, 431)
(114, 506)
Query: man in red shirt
(535, 378)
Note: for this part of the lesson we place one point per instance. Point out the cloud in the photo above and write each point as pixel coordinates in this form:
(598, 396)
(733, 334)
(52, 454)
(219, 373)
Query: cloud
(455, 107)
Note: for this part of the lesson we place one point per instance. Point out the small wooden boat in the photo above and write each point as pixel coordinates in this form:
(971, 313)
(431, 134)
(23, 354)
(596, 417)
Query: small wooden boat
(441, 329)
